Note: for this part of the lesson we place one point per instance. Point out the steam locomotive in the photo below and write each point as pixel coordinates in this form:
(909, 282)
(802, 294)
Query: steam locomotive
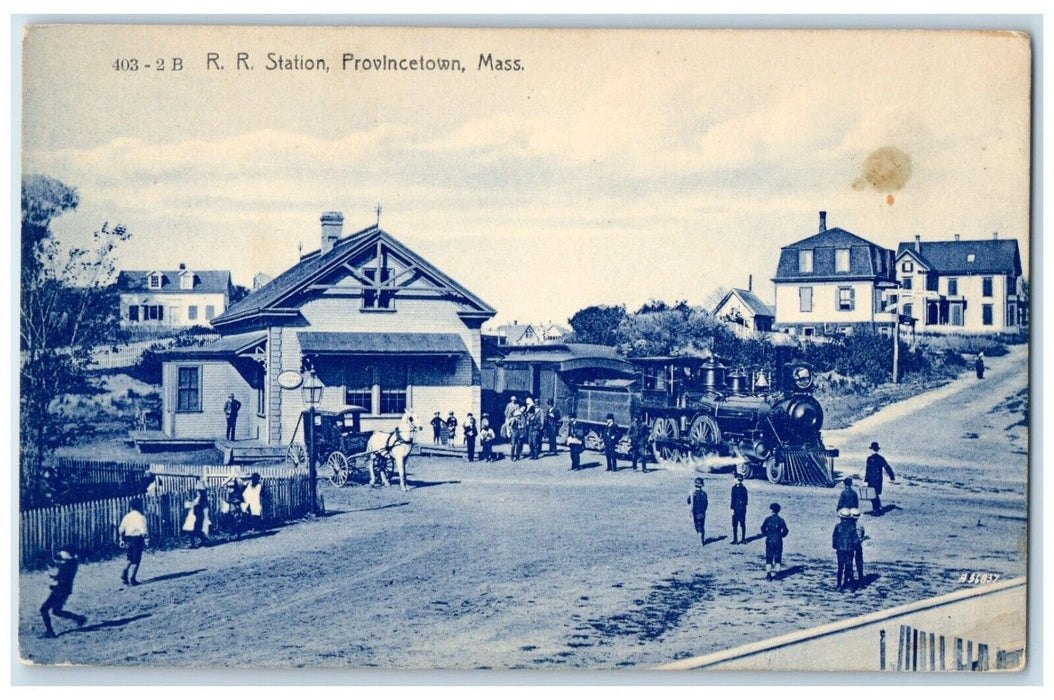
(763, 424)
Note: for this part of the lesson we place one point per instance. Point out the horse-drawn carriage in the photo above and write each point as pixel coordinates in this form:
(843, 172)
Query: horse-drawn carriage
(347, 453)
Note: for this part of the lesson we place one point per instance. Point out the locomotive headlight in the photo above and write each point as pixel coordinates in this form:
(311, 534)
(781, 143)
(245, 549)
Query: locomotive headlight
(802, 377)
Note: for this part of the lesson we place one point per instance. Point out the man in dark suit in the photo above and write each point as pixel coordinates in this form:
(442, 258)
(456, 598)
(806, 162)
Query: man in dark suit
(576, 438)
(638, 443)
(611, 438)
(876, 464)
(739, 511)
(230, 409)
(698, 501)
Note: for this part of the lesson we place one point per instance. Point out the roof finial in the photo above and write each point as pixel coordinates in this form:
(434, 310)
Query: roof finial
(378, 214)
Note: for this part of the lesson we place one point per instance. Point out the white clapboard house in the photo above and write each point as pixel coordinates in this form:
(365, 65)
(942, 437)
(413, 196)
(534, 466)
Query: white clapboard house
(380, 326)
(959, 286)
(172, 298)
(833, 283)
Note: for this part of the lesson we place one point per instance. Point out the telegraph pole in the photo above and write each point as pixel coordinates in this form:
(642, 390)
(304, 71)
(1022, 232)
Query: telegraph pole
(896, 342)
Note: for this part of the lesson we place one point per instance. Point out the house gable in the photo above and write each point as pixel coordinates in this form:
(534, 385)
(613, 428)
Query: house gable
(370, 265)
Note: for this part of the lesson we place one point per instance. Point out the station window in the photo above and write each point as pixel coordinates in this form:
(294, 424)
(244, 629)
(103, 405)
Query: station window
(192, 312)
(188, 390)
(987, 316)
(986, 286)
(953, 286)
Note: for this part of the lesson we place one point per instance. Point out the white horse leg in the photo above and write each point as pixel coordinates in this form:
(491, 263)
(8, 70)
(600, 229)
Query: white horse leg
(373, 473)
(400, 464)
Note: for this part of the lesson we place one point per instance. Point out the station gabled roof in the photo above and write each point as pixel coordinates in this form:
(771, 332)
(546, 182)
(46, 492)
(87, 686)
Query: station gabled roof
(279, 296)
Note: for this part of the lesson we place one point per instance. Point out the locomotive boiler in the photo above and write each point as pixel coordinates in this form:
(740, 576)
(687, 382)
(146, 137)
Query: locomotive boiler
(761, 423)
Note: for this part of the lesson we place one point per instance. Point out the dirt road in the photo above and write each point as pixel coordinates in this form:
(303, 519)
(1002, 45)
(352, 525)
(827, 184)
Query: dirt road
(526, 565)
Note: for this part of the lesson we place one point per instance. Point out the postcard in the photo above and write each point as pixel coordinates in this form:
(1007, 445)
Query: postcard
(518, 348)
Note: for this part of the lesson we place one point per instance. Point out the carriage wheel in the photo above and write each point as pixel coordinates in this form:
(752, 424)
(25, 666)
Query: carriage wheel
(296, 455)
(337, 466)
(358, 473)
(704, 430)
(661, 430)
(593, 441)
(774, 469)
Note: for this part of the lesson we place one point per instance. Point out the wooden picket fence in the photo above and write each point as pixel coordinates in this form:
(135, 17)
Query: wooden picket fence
(918, 650)
(91, 527)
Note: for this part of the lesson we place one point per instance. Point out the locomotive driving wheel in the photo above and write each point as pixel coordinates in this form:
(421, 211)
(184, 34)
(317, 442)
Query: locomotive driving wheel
(337, 467)
(664, 430)
(774, 469)
(703, 431)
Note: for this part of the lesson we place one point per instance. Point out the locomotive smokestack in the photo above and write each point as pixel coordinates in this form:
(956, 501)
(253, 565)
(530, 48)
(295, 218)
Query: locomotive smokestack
(823, 221)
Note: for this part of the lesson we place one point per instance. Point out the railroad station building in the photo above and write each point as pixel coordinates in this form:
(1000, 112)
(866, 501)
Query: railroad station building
(832, 283)
(379, 325)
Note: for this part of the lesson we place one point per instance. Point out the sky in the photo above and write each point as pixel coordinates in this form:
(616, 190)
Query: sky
(618, 166)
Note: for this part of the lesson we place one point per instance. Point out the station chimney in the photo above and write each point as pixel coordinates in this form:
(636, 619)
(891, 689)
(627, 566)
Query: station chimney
(823, 221)
(332, 226)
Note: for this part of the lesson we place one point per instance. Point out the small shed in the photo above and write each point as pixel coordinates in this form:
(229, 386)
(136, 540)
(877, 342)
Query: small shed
(743, 307)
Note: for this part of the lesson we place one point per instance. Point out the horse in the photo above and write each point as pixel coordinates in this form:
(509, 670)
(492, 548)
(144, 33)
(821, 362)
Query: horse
(395, 446)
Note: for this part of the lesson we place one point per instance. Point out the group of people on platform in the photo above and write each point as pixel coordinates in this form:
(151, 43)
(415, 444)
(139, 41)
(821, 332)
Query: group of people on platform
(847, 539)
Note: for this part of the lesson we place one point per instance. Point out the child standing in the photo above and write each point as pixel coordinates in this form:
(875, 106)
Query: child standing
(133, 536)
(698, 500)
(775, 529)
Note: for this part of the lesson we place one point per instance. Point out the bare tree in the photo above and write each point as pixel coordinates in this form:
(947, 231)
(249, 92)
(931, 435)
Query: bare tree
(68, 307)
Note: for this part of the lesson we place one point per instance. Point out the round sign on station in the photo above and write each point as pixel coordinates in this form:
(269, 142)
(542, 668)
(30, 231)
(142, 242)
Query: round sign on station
(290, 379)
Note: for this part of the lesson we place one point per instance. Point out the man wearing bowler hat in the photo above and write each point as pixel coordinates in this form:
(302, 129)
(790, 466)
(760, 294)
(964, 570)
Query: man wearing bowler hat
(230, 410)
(876, 464)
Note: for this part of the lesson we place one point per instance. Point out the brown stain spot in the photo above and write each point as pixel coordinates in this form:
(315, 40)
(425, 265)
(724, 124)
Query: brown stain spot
(889, 199)
(886, 169)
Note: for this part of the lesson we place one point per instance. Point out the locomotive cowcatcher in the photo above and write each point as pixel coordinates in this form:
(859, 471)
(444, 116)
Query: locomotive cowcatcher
(761, 423)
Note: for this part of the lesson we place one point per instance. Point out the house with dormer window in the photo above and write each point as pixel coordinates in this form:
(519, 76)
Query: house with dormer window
(172, 298)
(962, 286)
(832, 283)
(381, 328)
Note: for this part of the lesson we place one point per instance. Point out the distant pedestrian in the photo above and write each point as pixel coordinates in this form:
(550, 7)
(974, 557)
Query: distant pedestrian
(60, 592)
(487, 437)
(844, 541)
(978, 365)
(876, 464)
(535, 428)
(576, 441)
(698, 501)
(517, 434)
(451, 427)
(437, 428)
(133, 533)
(553, 417)
(252, 501)
(858, 552)
(610, 435)
(638, 443)
(739, 511)
(197, 522)
(230, 410)
(849, 497)
(510, 410)
(470, 432)
(775, 529)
